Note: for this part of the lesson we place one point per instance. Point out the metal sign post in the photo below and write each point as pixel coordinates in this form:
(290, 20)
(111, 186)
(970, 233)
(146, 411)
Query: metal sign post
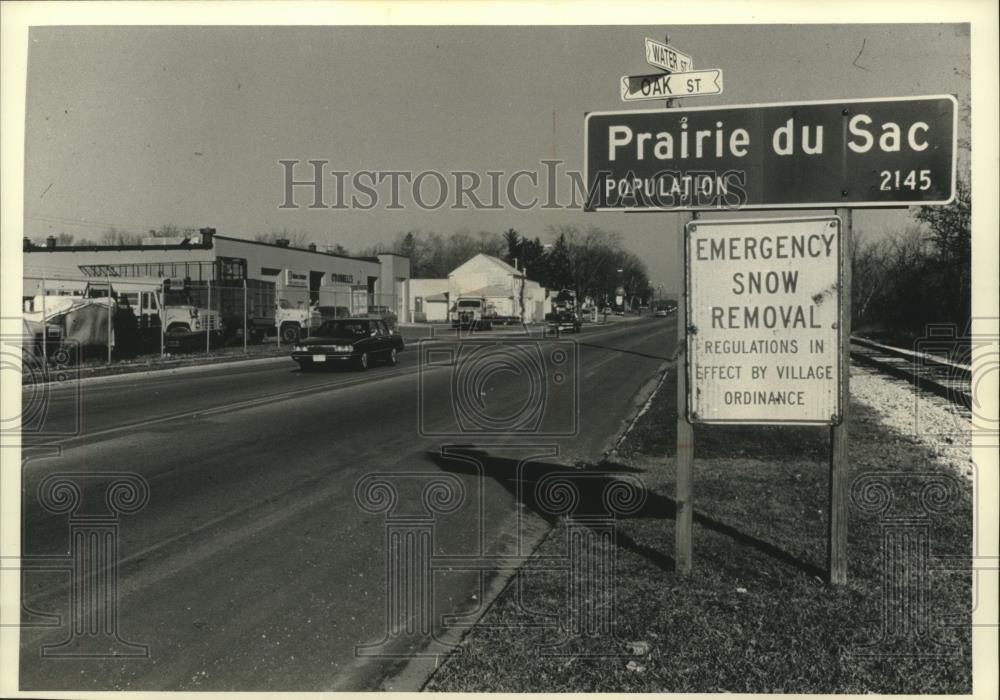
(110, 310)
(244, 315)
(45, 331)
(160, 302)
(207, 321)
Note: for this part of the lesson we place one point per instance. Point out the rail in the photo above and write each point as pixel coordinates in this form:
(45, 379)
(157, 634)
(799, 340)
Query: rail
(937, 375)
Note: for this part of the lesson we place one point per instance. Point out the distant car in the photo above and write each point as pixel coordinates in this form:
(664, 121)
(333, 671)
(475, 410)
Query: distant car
(359, 342)
(562, 322)
(660, 313)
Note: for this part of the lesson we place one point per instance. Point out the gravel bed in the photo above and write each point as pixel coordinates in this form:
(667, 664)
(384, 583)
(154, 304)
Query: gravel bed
(933, 422)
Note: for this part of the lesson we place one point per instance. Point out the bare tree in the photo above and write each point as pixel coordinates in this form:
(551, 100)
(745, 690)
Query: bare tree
(117, 236)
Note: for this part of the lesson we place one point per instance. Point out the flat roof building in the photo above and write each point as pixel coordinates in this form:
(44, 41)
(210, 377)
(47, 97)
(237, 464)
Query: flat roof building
(298, 273)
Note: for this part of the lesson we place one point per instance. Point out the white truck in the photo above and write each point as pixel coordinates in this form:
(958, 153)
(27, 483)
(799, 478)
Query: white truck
(472, 313)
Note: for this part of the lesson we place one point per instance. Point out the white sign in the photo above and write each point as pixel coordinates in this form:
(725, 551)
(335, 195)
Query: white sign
(296, 279)
(663, 86)
(660, 55)
(763, 304)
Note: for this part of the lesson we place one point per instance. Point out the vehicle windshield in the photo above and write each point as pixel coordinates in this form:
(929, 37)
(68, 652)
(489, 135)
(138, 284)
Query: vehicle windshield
(177, 297)
(344, 328)
(473, 303)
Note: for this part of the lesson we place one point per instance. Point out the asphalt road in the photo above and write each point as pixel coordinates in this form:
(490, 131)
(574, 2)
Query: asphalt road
(253, 566)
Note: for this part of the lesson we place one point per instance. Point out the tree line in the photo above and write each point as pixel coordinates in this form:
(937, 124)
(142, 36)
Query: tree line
(587, 260)
(922, 275)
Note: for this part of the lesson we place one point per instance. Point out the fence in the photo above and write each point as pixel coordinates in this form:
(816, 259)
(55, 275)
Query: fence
(119, 317)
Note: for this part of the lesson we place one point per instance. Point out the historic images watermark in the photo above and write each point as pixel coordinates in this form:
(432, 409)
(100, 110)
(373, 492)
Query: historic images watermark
(93, 504)
(415, 506)
(965, 362)
(312, 184)
(46, 370)
(498, 385)
(906, 505)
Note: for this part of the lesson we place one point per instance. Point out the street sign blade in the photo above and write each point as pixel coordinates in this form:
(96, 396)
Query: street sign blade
(666, 57)
(662, 86)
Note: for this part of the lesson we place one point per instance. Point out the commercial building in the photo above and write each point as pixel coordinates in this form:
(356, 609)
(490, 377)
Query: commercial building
(301, 275)
(505, 288)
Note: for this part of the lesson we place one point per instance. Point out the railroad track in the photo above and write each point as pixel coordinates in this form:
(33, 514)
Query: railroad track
(937, 375)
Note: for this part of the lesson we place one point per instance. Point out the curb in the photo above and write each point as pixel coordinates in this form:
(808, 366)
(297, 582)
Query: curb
(165, 371)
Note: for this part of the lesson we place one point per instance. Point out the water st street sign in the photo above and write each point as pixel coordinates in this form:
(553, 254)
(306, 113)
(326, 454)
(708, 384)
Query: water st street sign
(666, 57)
(664, 86)
(763, 313)
(880, 152)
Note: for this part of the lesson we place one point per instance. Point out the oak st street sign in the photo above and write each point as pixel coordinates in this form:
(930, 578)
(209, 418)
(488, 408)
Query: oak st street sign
(666, 85)
(881, 152)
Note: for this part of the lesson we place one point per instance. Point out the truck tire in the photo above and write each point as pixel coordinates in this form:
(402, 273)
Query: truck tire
(290, 333)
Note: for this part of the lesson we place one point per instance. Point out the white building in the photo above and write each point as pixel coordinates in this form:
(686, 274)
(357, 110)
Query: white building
(505, 288)
(428, 300)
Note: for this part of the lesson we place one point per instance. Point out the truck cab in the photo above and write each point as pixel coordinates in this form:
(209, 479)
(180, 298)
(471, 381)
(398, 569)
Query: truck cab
(186, 317)
(471, 313)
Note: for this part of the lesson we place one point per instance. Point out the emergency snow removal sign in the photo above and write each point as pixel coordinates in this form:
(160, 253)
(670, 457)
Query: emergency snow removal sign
(764, 321)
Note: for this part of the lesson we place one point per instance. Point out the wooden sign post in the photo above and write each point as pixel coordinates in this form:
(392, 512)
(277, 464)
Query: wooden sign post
(684, 515)
(839, 465)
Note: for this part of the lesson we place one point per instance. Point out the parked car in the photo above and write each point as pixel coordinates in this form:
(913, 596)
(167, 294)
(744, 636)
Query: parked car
(355, 341)
(660, 313)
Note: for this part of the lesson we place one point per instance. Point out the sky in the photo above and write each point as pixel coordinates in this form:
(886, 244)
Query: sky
(138, 127)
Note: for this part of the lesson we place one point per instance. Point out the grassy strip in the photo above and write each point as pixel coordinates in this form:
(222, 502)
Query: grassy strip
(756, 615)
(173, 359)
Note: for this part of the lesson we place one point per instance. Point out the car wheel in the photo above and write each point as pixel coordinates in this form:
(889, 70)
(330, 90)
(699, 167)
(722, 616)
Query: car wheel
(362, 362)
(392, 359)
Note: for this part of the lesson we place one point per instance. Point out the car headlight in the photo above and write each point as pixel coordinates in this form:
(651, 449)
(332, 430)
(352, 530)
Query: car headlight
(342, 348)
(299, 348)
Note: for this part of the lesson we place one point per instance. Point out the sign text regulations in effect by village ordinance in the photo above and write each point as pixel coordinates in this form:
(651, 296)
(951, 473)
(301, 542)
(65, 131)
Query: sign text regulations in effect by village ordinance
(764, 301)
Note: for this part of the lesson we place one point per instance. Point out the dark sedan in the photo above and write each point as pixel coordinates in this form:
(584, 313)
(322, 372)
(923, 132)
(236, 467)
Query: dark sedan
(355, 341)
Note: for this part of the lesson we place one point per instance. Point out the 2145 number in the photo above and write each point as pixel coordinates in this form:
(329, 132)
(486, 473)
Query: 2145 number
(900, 179)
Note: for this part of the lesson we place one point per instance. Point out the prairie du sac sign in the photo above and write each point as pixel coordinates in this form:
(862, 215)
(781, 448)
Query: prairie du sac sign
(764, 321)
(891, 152)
